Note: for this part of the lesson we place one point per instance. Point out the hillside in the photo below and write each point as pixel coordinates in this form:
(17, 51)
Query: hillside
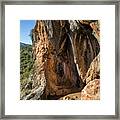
(26, 65)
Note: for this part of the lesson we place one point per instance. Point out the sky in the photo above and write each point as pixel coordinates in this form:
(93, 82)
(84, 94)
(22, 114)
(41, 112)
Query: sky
(25, 27)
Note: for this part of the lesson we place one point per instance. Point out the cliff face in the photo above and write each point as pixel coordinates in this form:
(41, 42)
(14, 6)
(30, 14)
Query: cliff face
(66, 59)
(91, 91)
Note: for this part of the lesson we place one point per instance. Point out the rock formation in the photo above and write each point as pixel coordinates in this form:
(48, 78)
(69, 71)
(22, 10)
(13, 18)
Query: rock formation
(66, 60)
(92, 79)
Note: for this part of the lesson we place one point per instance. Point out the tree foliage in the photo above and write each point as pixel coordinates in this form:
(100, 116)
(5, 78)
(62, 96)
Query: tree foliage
(26, 67)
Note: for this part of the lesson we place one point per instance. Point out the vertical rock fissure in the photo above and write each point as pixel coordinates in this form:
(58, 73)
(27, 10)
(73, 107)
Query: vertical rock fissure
(74, 55)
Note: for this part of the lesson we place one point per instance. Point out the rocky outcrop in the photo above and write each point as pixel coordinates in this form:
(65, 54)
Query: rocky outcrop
(86, 46)
(94, 70)
(90, 92)
(92, 79)
(66, 60)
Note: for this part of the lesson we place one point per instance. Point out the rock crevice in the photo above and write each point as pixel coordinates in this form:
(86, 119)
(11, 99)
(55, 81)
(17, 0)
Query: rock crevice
(65, 57)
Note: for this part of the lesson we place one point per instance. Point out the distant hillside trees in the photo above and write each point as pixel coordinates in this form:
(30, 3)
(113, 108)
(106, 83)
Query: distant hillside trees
(26, 68)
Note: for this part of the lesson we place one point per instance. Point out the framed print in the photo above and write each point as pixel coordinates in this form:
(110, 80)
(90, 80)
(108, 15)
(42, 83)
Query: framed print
(60, 60)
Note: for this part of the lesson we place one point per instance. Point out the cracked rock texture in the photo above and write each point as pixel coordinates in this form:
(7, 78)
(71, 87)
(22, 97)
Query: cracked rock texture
(66, 60)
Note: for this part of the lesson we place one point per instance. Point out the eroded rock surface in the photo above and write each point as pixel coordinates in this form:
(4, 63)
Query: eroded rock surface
(94, 70)
(90, 92)
(66, 60)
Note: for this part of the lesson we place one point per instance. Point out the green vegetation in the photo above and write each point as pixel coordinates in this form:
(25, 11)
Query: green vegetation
(26, 68)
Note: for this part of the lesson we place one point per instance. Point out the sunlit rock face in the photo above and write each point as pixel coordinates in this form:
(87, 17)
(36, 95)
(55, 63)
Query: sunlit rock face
(65, 53)
(90, 92)
(85, 44)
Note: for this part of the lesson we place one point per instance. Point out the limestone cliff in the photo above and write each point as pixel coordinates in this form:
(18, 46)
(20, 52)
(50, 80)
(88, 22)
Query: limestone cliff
(66, 59)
